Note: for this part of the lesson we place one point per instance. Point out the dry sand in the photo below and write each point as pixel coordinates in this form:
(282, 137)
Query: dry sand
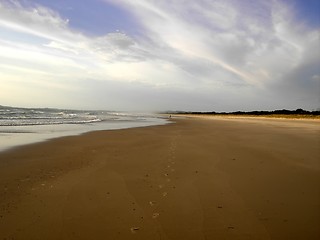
(193, 179)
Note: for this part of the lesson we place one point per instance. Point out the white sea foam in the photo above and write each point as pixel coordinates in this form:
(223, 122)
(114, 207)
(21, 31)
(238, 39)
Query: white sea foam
(19, 126)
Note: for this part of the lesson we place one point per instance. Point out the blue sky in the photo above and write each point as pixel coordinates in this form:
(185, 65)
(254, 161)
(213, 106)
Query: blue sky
(94, 17)
(307, 11)
(205, 55)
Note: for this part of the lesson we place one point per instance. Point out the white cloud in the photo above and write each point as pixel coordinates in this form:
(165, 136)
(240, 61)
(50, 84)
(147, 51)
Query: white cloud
(231, 54)
(60, 49)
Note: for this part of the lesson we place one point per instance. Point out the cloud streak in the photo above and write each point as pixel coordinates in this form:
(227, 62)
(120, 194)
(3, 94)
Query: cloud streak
(195, 55)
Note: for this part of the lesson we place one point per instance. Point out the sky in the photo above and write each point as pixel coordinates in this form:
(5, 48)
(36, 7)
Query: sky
(150, 55)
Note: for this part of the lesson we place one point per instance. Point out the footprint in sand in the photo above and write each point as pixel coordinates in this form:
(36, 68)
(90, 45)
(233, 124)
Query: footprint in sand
(152, 203)
(155, 215)
(134, 229)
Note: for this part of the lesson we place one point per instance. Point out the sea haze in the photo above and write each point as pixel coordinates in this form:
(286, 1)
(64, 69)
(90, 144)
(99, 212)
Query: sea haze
(19, 126)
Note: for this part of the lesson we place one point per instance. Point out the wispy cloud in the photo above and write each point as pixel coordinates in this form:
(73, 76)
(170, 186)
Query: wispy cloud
(223, 54)
(258, 43)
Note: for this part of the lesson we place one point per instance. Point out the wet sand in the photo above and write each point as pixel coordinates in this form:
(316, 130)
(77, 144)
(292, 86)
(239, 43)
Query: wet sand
(198, 178)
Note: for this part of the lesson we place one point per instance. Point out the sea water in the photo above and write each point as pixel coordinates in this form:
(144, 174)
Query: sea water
(19, 126)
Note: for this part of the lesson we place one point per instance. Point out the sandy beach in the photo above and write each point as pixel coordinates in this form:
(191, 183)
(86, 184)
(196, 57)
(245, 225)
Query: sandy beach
(197, 178)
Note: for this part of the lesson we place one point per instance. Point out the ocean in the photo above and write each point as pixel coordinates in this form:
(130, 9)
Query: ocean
(20, 126)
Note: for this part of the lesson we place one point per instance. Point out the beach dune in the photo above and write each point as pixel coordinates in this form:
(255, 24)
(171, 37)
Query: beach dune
(197, 178)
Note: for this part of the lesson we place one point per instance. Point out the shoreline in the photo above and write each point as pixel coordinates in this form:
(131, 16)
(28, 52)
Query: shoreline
(15, 136)
(192, 179)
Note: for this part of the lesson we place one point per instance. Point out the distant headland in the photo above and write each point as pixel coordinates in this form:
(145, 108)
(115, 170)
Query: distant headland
(284, 113)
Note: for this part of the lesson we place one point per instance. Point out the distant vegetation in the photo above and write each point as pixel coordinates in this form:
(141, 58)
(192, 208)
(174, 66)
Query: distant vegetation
(298, 113)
